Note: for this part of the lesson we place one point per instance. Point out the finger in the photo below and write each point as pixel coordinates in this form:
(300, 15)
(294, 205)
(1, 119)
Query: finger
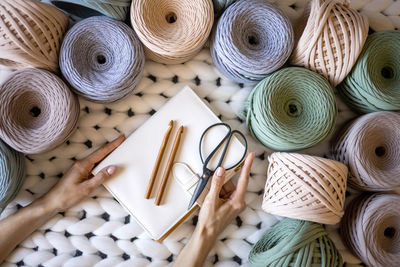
(102, 152)
(100, 177)
(244, 177)
(216, 184)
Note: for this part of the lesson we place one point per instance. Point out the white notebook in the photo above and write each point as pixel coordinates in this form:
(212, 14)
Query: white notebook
(135, 159)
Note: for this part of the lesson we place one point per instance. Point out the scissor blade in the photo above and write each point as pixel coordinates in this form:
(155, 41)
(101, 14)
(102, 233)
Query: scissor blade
(197, 192)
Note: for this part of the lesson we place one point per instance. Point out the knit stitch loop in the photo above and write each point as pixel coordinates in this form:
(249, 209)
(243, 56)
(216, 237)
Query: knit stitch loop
(370, 147)
(12, 173)
(172, 31)
(373, 84)
(38, 111)
(31, 33)
(116, 9)
(295, 243)
(332, 39)
(371, 229)
(292, 109)
(305, 187)
(252, 39)
(102, 59)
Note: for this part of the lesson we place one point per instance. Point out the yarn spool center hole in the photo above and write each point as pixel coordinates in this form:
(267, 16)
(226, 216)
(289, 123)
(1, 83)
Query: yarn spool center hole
(252, 40)
(292, 109)
(380, 151)
(387, 72)
(389, 232)
(171, 17)
(35, 112)
(101, 59)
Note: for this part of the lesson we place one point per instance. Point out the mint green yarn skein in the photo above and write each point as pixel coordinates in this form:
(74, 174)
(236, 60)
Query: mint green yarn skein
(116, 9)
(12, 174)
(374, 82)
(295, 243)
(292, 109)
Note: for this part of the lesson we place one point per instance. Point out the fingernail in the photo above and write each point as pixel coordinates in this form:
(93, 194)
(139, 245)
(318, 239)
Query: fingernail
(220, 171)
(111, 170)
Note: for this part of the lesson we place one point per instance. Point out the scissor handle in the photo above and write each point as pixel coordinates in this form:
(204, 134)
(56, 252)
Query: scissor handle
(226, 138)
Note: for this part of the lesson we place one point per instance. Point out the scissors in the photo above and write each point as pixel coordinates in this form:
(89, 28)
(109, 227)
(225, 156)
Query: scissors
(207, 172)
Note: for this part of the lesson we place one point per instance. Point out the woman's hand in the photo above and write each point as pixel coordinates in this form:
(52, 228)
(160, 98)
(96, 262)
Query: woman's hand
(78, 182)
(221, 205)
(224, 202)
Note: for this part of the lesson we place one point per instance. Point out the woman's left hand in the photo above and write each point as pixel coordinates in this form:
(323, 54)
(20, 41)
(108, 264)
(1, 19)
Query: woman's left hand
(78, 182)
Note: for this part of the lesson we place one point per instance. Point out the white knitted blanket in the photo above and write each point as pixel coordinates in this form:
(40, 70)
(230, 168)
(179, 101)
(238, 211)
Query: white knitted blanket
(98, 231)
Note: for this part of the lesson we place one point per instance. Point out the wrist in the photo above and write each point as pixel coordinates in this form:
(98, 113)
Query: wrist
(204, 235)
(47, 206)
(201, 243)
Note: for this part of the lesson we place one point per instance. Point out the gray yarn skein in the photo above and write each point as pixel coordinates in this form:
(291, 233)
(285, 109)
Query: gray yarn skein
(252, 39)
(102, 59)
(12, 174)
(38, 112)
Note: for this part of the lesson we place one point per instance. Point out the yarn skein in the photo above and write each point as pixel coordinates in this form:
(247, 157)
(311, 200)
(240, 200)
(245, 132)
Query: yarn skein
(373, 84)
(38, 111)
(305, 187)
(102, 59)
(370, 147)
(31, 33)
(172, 31)
(295, 243)
(252, 39)
(116, 9)
(330, 37)
(371, 229)
(221, 5)
(293, 108)
(12, 174)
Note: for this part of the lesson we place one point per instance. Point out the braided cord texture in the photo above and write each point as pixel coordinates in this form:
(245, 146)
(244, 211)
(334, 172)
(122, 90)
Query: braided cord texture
(331, 40)
(30, 34)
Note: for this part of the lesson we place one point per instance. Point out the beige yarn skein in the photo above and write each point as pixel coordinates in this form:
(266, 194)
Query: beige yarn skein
(332, 39)
(30, 34)
(305, 187)
(172, 31)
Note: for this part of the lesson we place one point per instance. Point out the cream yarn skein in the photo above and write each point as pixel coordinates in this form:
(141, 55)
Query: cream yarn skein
(172, 31)
(31, 33)
(332, 39)
(305, 187)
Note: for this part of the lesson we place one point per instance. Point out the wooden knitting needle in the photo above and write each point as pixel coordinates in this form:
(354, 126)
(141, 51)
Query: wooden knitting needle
(158, 160)
(169, 166)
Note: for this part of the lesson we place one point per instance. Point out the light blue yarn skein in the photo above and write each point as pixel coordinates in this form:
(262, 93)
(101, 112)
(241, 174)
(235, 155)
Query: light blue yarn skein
(12, 173)
(102, 59)
(252, 39)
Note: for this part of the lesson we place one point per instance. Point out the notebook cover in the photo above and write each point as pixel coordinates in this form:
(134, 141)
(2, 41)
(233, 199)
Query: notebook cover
(135, 159)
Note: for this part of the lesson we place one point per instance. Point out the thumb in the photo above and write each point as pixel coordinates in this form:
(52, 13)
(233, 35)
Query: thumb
(101, 176)
(216, 184)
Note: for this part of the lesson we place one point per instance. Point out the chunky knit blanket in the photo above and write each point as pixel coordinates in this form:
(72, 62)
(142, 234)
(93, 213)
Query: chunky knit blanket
(98, 231)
